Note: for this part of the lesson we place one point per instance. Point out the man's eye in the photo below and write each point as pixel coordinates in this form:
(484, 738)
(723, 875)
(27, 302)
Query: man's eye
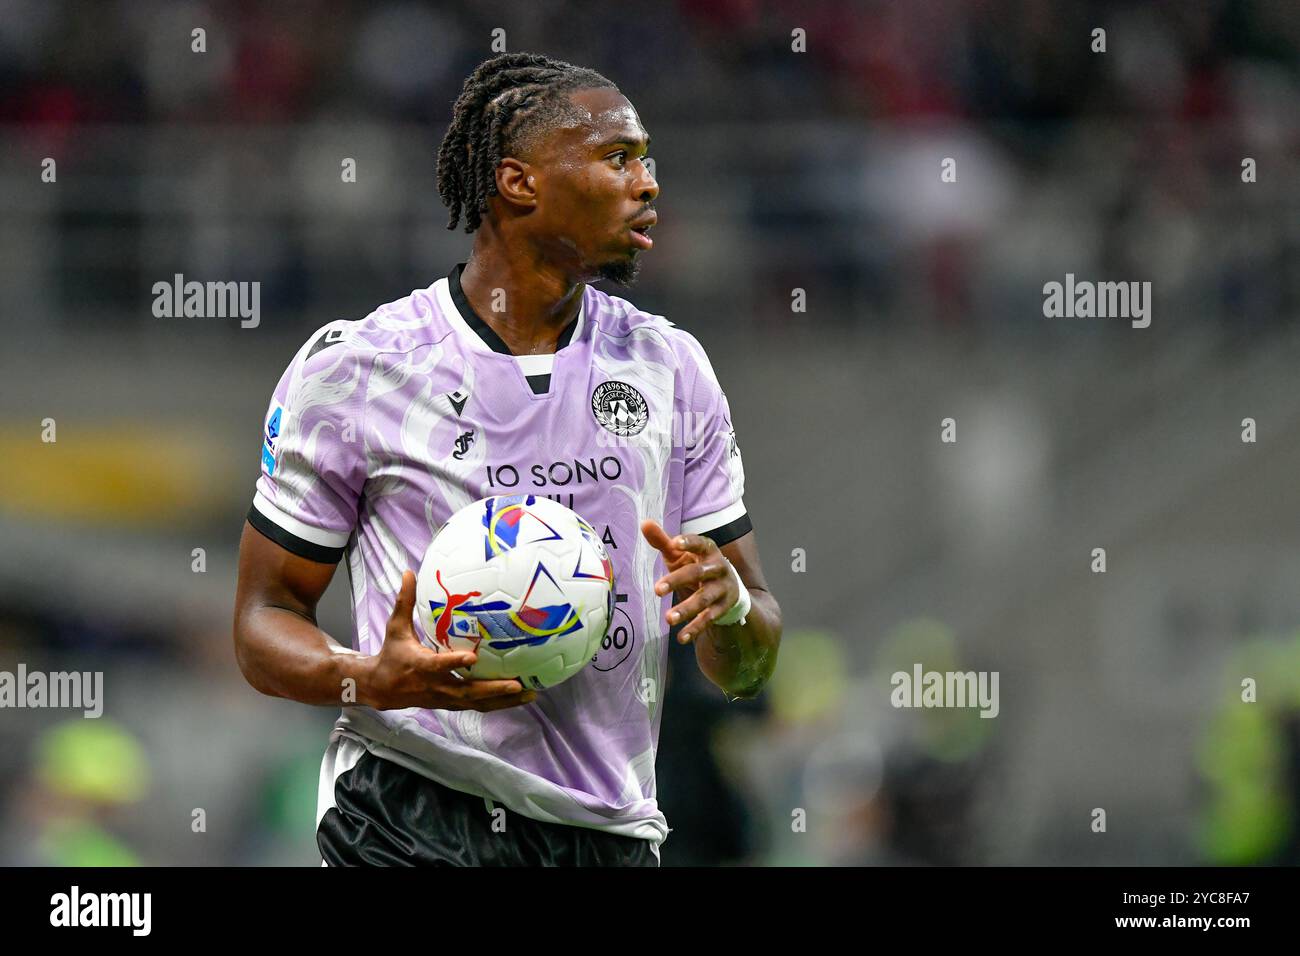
(622, 154)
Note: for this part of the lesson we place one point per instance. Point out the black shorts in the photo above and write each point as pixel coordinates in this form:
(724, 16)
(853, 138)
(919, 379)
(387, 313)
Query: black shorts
(387, 815)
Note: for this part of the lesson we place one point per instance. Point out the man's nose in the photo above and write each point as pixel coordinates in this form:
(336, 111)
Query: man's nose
(647, 188)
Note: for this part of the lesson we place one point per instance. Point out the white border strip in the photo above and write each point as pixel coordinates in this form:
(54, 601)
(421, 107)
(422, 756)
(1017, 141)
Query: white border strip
(582, 317)
(716, 520)
(536, 364)
(326, 539)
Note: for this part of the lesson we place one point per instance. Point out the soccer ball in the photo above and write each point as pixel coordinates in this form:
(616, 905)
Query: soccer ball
(524, 580)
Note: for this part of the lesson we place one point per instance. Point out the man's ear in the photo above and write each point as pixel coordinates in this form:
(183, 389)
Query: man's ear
(516, 182)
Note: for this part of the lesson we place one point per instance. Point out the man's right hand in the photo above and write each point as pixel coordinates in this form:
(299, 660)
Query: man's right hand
(406, 673)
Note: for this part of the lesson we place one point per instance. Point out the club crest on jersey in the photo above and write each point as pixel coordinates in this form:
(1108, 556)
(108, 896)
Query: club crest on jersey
(620, 408)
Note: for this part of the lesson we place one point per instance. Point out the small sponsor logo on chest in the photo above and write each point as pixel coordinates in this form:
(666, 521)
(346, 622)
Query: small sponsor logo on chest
(462, 444)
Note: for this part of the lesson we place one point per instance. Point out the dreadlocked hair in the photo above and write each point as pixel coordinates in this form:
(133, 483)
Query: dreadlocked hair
(504, 104)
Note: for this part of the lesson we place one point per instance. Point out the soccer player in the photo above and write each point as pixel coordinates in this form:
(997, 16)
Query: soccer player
(510, 375)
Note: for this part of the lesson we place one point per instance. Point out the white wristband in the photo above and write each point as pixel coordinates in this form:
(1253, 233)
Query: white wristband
(737, 612)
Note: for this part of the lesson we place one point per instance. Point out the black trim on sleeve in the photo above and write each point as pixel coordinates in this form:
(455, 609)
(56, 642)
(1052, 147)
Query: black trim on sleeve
(291, 542)
(730, 531)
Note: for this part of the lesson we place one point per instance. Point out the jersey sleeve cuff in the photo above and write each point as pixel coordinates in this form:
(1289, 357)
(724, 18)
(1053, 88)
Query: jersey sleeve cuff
(722, 526)
(296, 537)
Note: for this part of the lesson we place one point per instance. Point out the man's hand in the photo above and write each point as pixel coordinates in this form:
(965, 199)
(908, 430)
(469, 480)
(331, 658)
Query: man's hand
(405, 673)
(697, 568)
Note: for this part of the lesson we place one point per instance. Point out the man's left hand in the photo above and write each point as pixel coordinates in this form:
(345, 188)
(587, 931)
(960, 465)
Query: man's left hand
(697, 568)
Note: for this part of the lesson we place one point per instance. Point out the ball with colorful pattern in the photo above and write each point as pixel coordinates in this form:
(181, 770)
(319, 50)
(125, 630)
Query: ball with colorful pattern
(523, 580)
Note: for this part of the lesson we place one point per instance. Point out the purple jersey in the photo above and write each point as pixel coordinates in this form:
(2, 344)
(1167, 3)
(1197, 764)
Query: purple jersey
(381, 429)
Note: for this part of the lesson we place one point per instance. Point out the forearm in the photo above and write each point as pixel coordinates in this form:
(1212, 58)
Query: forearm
(740, 658)
(284, 654)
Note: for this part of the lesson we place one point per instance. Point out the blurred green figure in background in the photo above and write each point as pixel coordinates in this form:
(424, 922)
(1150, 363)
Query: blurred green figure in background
(85, 771)
(1250, 759)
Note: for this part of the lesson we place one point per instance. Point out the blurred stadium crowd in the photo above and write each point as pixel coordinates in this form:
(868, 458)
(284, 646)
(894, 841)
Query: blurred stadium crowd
(812, 170)
(780, 171)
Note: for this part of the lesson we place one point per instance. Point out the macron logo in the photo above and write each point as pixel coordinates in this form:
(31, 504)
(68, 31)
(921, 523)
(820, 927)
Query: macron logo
(102, 909)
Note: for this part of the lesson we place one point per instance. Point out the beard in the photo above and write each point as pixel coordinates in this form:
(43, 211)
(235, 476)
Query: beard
(622, 270)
